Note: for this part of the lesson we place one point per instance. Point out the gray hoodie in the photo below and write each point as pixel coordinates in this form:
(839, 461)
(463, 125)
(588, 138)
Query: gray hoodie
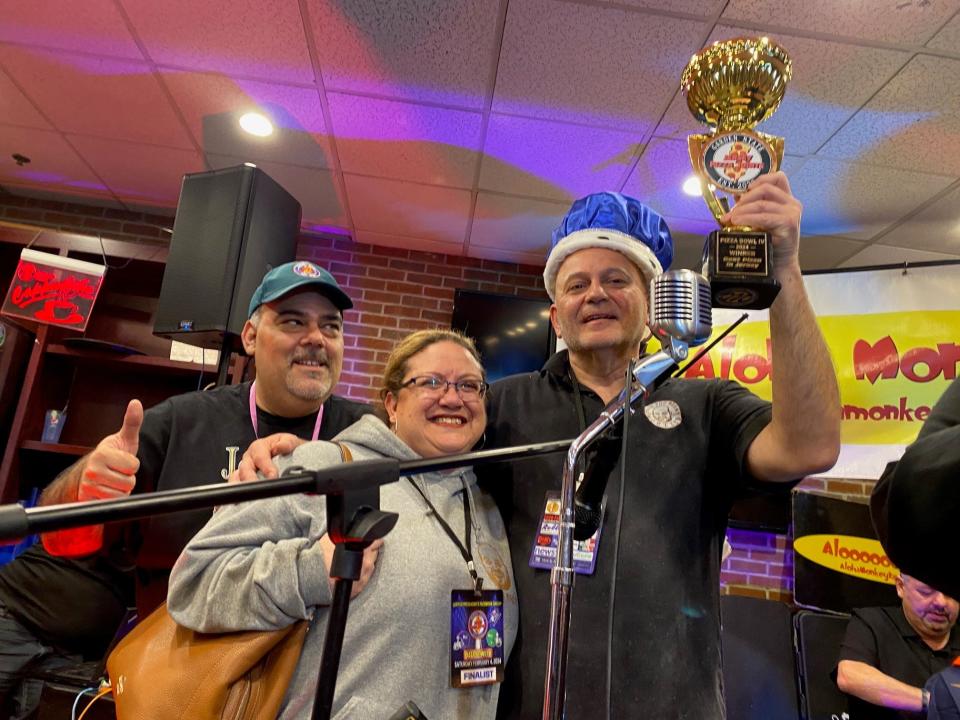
(258, 565)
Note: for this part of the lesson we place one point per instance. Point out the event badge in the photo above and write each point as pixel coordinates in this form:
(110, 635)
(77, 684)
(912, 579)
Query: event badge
(476, 637)
(544, 553)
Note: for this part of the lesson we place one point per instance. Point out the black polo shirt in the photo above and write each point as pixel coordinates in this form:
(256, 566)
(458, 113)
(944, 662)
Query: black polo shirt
(653, 602)
(883, 638)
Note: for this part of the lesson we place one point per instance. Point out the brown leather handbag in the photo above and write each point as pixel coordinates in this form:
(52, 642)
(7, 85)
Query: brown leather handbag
(162, 670)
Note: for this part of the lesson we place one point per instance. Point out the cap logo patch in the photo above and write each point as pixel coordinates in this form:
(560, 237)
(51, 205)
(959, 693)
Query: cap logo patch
(306, 269)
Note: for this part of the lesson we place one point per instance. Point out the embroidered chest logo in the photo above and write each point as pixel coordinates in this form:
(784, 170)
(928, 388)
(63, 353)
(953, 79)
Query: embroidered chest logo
(664, 414)
(231, 462)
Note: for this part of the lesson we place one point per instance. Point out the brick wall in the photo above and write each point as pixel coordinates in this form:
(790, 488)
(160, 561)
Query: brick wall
(397, 291)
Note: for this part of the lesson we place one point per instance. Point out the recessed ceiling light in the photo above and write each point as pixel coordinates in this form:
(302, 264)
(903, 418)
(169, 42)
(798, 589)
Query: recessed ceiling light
(691, 186)
(256, 124)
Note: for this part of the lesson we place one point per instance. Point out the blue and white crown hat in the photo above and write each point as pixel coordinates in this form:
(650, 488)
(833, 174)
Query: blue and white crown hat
(615, 222)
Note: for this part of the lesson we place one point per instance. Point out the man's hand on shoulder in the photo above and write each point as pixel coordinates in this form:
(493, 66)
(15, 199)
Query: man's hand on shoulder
(259, 457)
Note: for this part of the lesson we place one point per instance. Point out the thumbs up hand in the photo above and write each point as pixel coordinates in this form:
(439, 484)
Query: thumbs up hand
(110, 470)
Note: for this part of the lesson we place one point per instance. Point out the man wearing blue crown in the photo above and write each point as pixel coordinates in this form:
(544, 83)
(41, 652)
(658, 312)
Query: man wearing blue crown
(645, 628)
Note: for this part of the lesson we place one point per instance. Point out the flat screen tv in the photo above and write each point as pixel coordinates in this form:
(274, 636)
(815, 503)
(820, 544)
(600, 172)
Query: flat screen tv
(512, 333)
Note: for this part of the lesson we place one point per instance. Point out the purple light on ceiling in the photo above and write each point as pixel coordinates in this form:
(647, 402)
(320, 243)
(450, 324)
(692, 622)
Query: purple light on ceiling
(48, 178)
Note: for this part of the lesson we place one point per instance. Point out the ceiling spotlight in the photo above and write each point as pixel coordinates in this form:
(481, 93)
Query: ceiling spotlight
(256, 124)
(691, 186)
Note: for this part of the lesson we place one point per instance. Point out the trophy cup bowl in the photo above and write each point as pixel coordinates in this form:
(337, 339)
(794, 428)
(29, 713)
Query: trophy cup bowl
(731, 86)
(736, 83)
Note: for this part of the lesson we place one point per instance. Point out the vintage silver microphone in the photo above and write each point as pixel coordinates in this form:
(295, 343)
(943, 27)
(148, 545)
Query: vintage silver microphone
(680, 317)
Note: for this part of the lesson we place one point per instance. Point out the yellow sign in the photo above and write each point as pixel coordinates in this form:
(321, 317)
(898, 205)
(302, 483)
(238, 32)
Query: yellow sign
(860, 557)
(892, 367)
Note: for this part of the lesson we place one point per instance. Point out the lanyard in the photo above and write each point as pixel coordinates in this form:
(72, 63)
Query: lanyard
(253, 414)
(467, 551)
(581, 416)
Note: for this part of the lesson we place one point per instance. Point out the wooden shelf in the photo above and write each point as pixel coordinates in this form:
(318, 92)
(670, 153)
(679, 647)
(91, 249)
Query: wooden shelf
(150, 362)
(57, 448)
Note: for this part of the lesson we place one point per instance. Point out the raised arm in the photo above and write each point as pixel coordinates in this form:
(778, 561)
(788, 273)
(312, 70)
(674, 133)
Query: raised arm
(804, 434)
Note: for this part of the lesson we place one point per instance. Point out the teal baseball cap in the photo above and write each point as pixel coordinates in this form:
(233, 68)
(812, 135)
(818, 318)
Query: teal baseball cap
(288, 277)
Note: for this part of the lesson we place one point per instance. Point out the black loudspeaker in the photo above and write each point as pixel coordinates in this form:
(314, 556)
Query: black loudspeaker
(818, 647)
(759, 672)
(232, 226)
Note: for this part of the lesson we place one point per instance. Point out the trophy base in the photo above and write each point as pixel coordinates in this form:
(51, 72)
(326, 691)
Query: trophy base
(746, 293)
(736, 262)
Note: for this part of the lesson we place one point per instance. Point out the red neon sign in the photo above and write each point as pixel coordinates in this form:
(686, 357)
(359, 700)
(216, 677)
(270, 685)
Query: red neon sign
(53, 290)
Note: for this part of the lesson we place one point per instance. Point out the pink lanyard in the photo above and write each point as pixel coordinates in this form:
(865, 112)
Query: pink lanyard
(253, 414)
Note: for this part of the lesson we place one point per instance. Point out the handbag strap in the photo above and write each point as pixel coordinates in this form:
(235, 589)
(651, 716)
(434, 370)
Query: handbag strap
(345, 454)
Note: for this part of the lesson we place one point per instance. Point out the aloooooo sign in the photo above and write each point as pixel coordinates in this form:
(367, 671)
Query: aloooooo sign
(860, 557)
(53, 290)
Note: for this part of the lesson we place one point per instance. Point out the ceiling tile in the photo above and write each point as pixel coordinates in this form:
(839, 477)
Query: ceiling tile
(830, 82)
(555, 161)
(935, 228)
(408, 243)
(658, 181)
(706, 8)
(96, 27)
(856, 200)
(432, 50)
(948, 38)
(823, 252)
(15, 108)
(518, 225)
(593, 65)
(248, 38)
(405, 141)
(886, 255)
(315, 189)
(911, 123)
(145, 174)
(96, 96)
(53, 163)
(212, 105)
(905, 22)
(400, 208)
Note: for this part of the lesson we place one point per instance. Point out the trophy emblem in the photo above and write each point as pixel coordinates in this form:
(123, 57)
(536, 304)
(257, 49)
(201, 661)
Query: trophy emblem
(732, 86)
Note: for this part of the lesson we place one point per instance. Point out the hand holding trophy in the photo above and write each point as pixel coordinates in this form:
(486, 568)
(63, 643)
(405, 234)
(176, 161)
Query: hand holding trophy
(732, 86)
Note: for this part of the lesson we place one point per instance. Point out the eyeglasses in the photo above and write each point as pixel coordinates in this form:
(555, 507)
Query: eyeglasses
(432, 385)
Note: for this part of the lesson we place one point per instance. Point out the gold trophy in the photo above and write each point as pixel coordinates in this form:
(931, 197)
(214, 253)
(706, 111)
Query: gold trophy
(732, 86)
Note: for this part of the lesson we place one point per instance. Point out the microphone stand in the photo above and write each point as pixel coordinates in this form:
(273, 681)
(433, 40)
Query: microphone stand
(354, 520)
(645, 374)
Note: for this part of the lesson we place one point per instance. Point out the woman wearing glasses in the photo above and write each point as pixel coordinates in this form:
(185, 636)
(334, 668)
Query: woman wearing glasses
(437, 616)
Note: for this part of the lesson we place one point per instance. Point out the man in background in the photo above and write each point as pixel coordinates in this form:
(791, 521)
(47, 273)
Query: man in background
(889, 653)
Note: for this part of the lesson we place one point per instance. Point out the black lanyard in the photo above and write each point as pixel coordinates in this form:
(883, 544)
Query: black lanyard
(581, 416)
(467, 551)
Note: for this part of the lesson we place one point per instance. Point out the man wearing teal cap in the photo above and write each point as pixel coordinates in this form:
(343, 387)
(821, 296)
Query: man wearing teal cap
(70, 600)
(644, 638)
